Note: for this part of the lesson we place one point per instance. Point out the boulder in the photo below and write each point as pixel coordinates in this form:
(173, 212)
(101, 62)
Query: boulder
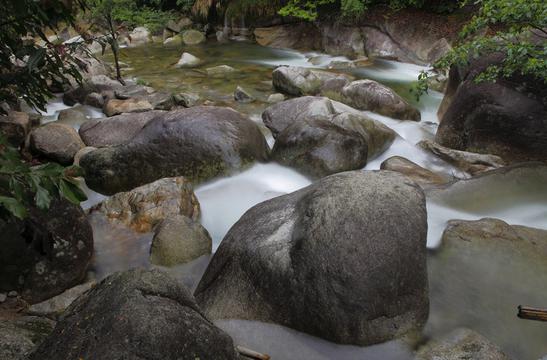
(318, 148)
(342, 40)
(467, 161)
(507, 117)
(146, 206)
(199, 143)
(116, 106)
(301, 36)
(57, 142)
(139, 36)
(20, 336)
(81, 153)
(241, 95)
(461, 344)
(298, 260)
(377, 136)
(136, 314)
(94, 99)
(298, 81)
(47, 254)
(71, 117)
(188, 60)
(187, 99)
(193, 37)
(115, 130)
(178, 240)
(173, 41)
(418, 174)
(55, 306)
(100, 84)
(14, 127)
(373, 96)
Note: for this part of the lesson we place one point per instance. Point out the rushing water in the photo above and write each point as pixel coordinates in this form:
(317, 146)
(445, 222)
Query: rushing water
(478, 293)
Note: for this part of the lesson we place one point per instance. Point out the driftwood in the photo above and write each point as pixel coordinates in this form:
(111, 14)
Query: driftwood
(251, 353)
(530, 313)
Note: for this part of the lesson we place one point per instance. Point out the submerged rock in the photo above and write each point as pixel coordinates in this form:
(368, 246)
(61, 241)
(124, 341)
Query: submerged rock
(57, 142)
(420, 175)
(198, 143)
(461, 344)
(47, 254)
(467, 161)
(242, 95)
(146, 206)
(178, 240)
(136, 314)
(298, 260)
(373, 96)
(220, 70)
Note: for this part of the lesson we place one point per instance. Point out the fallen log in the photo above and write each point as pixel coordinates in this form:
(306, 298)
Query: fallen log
(251, 353)
(530, 313)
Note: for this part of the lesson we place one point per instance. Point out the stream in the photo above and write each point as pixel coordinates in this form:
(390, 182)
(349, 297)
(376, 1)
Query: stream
(482, 294)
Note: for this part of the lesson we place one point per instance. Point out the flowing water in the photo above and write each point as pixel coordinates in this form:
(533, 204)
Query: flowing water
(478, 293)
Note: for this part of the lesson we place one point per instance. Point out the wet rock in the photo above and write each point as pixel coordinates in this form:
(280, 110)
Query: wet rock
(302, 36)
(81, 153)
(19, 337)
(94, 99)
(173, 41)
(144, 207)
(14, 127)
(299, 255)
(178, 240)
(469, 162)
(57, 142)
(55, 306)
(199, 143)
(100, 84)
(139, 36)
(46, 254)
(341, 65)
(193, 37)
(275, 98)
(461, 344)
(188, 60)
(318, 148)
(187, 99)
(420, 175)
(507, 117)
(377, 136)
(220, 70)
(148, 314)
(115, 130)
(342, 40)
(71, 117)
(242, 95)
(116, 106)
(299, 81)
(373, 96)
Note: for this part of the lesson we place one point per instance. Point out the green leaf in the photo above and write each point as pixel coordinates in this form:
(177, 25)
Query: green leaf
(13, 206)
(71, 192)
(42, 198)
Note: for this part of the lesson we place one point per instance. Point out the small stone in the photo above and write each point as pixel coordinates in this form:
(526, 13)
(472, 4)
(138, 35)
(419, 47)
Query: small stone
(220, 70)
(187, 99)
(243, 96)
(338, 65)
(3, 297)
(12, 293)
(275, 98)
(188, 60)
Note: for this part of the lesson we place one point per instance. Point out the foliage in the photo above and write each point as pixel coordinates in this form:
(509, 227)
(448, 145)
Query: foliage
(23, 186)
(514, 28)
(25, 67)
(185, 5)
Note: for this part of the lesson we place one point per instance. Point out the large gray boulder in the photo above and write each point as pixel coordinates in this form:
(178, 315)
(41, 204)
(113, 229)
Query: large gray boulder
(46, 254)
(373, 96)
(319, 148)
(461, 344)
(343, 259)
(199, 143)
(507, 117)
(20, 336)
(136, 314)
(114, 130)
(298, 81)
(280, 116)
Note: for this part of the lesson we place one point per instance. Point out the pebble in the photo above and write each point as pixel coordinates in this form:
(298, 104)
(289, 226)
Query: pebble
(12, 293)
(2, 297)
